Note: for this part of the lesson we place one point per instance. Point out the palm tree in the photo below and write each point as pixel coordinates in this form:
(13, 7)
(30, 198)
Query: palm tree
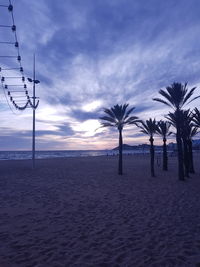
(150, 128)
(163, 130)
(175, 119)
(118, 116)
(186, 128)
(176, 96)
(188, 131)
(185, 132)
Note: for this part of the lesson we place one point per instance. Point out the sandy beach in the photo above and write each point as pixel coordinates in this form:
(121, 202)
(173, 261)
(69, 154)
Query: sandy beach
(79, 212)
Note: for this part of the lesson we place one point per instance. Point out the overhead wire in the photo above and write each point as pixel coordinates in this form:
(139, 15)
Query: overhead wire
(6, 87)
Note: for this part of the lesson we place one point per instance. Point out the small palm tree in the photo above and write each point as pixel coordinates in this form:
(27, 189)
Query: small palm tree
(150, 128)
(176, 96)
(164, 131)
(119, 116)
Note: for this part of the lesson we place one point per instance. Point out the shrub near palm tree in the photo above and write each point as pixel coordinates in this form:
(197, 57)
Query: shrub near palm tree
(119, 116)
(163, 130)
(150, 128)
(176, 96)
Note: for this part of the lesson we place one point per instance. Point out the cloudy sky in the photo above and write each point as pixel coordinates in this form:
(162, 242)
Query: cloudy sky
(92, 54)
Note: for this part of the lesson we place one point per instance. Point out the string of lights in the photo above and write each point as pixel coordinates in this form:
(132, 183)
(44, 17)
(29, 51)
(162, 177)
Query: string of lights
(14, 85)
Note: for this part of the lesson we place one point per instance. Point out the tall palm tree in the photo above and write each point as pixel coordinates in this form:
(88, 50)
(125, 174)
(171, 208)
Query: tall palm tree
(188, 131)
(175, 119)
(186, 128)
(150, 128)
(164, 131)
(177, 96)
(119, 116)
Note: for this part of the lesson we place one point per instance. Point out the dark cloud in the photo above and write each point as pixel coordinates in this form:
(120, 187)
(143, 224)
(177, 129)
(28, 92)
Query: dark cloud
(115, 51)
(81, 115)
(65, 130)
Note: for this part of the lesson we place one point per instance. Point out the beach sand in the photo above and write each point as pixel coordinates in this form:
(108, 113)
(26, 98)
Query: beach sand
(79, 212)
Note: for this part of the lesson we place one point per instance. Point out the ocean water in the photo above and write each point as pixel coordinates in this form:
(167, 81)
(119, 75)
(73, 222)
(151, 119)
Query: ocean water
(16, 155)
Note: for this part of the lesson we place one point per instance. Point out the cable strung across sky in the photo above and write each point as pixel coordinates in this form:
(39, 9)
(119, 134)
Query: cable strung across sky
(11, 84)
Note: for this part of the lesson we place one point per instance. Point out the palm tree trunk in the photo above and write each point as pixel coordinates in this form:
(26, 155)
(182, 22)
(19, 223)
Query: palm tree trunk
(165, 159)
(152, 156)
(120, 168)
(180, 154)
(191, 167)
(186, 157)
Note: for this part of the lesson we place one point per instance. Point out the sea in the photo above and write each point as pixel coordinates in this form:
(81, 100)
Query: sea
(20, 155)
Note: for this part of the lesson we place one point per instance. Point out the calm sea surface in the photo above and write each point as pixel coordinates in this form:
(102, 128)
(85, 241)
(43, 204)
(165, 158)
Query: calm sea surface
(15, 155)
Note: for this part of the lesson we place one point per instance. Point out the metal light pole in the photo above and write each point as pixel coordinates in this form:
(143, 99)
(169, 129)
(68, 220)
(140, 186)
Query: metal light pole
(34, 81)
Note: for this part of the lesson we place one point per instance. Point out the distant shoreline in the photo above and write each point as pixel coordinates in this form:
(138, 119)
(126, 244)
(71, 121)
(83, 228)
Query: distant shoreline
(27, 155)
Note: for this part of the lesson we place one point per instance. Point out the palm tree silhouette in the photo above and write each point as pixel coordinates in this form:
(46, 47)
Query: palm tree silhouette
(186, 120)
(188, 131)
(176, 96)
(175, 119)
(150, 127)
(163, 130)
(119, 116)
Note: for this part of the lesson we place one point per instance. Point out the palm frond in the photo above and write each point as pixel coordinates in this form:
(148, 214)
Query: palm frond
(144, 131)
(176, 95)
(128, 112)
(196, 117)
(118, 116)
(162, 101)
(189, 94)
(196, 97)
(132, 120)
(106, 124)
(148, 127)
(106, 118)
(109, 112)
(195, 131)
(166, 95)
(163, 128)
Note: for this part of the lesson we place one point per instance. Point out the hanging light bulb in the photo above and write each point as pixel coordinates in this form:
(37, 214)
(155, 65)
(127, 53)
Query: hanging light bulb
(13, 28)
(10, 8)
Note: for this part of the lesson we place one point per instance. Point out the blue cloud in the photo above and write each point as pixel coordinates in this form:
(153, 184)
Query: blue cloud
(114, 51)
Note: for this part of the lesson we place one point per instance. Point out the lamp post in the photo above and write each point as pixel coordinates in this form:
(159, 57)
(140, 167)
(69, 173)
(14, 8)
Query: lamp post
(34, 81)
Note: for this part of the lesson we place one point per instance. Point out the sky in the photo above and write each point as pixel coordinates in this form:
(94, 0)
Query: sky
(94, 54)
